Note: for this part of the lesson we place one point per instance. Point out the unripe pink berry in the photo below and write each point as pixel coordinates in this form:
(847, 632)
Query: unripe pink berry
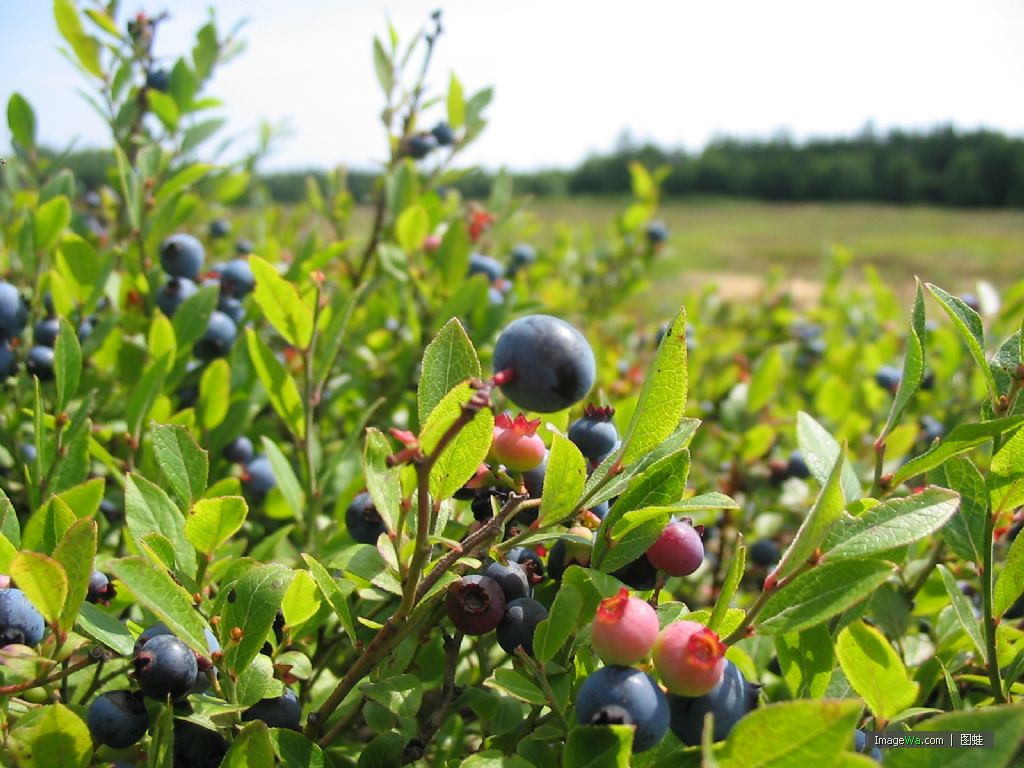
(678, 551)
(431, 243)
(689, 657)
(516, 442)
(624, 630)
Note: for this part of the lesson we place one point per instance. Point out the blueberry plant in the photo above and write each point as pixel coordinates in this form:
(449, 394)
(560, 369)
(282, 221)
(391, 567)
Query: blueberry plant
(427, 495)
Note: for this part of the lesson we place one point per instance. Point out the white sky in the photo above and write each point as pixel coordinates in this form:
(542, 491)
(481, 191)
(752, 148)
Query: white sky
(571, 75)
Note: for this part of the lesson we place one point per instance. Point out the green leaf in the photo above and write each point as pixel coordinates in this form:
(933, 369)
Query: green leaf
(517, 685)
(85, 47)
(1010, 581)
(821, 593)
(165, 108)
(913, 361)
(47, 525)
(968, 324)
(67, 364)
(598, 746)
(456, 103)
(412, 227)
(733, 577)
(255, 682)
(182, 462)
(662, 400)
(192, 317)
(963, 611)
(384, 67)
(400, 695)
(251, 748)
(453, 257)
(448, 360)
(301, 601)
(155, 590)
(383, 483)
(563, 481)
(214, 394)
(213, 522)
(893, 523)
(9, 526)
(296, 751)
(280, 387)
(827, 509)
(281, 304)
(1007, 722)
(806, 660)
(875, 670)
(43, 581)
(84, 270)
(962, 438)
(186, 177)
(161, 339)
(1005, 478)
(553, 632)
(145, 393)
(765, 380)
(792, 734)
(820, 450)
(104, 628)
(149, 510)
(50, 220)
(22, 121)
(287, 482)
(252, 605)
(56, 738)
(332, 594)
(76, 552)
(965, 531)
(463, 455)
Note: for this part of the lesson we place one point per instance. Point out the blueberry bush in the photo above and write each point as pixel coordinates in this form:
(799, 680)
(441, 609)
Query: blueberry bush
(280, 492)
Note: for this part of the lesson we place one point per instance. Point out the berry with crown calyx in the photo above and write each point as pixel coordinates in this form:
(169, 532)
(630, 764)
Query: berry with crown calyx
(689, 657)
(516, 442)
(624, 630)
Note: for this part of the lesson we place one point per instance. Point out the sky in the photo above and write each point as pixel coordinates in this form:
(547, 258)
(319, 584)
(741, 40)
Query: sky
(570, 76)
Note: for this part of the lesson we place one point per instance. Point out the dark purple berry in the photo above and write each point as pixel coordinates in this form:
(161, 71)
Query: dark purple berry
(475, 604)
(364, 523)
(100, 588)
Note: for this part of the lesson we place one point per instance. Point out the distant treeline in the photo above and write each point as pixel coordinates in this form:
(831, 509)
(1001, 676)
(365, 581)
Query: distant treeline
(940, 167)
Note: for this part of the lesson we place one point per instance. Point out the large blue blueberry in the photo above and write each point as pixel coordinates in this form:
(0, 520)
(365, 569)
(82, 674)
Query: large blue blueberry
(420, 145)
(182, 255)
(512, 578)
(117, 719)
(282, 711)
(594, 433)
(616, 695)
(543, 364)
(165, 667)
(20, 622)
(220, 335)
(237, 279)
(479, 264)
(363, 521)
(258, 478)
(173, 293)
(45, 332)
(13, 311)
(731, 699)
(196, 746)
(519, 623)
(39, 362)
(443, 134)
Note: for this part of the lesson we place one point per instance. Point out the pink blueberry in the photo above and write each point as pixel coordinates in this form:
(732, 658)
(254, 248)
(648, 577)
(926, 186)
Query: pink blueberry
(689, 657)
(624, 630)
(678, 551)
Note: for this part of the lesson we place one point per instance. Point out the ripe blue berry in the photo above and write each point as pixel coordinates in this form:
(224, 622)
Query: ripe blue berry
(617, 695)
(531, 562)
(13, 312)
(220, 335)
(543, 364)
(196, 746)
(594, 433)
(888, 377)
(165, 667)
(117, 719)
(565, 553)
(730, 700)
(860, 743)
(639, 574)
(420, 145)
(158, 629)
(39, 363)
(797, 467)
(443, 134)
(100, 588)
(8, 362)
(237, 279)
(522, 256)
(45, 332)
(363, 521)
(244, 246)
(258, 478)
(763, 552)
(173, 293)
(20, 622)
(282, 711)
(475, 604)
(518, 624)
(239, 450)
(512, 578)
(479, 264)
(182, 255)
(220, 228)
(657, 232)
(231, 307)
(931, 428)
(159, 80)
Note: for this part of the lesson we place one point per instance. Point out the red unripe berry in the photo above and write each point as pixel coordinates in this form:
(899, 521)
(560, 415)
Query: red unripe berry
(678, 551)
(690, 658)
(624, 630)
(516, 442)
(431, 243)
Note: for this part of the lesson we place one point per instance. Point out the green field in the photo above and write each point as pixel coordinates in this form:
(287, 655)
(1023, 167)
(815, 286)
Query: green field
(735, 243)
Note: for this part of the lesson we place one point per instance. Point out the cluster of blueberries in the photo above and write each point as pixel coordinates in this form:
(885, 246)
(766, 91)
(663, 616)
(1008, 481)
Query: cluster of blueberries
(498, 276)
(182, 257)
(257, 473)
(419, 145)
